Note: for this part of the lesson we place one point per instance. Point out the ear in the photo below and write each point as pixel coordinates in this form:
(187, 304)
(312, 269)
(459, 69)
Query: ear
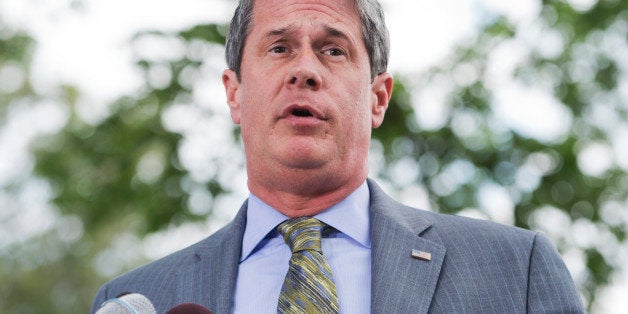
(381, 87)
(232, 87)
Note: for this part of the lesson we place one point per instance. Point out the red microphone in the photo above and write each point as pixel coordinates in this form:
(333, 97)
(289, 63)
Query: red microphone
(189, 308)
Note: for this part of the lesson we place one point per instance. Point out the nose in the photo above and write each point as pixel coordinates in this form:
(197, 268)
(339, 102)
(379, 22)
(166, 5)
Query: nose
(304, 72)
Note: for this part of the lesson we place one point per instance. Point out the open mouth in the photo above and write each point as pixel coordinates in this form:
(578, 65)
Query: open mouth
(300, 112)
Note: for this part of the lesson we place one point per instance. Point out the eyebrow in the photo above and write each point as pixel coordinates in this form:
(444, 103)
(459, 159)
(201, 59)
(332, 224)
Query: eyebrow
(280, 31)
(334, 32)
(330, 31)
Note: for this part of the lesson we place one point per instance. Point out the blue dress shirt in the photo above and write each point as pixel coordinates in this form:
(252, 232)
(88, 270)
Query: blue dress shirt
(265, 256)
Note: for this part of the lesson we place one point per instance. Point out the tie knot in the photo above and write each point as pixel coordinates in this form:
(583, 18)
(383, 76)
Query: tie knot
(303, 233)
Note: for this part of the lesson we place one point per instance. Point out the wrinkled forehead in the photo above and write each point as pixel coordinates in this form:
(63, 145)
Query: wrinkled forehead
(292, 13)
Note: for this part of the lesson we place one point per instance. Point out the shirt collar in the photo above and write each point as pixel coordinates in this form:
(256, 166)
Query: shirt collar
(350, 216)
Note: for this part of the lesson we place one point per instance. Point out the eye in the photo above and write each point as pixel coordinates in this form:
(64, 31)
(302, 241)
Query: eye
(278, 49)
(334, 52)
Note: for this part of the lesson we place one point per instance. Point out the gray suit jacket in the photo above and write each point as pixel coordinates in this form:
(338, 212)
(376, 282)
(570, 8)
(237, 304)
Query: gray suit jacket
(476, 267)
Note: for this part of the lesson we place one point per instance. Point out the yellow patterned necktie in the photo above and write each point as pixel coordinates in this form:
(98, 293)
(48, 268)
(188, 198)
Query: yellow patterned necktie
(309, 286)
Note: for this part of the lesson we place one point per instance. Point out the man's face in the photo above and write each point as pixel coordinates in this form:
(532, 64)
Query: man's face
(305, 100)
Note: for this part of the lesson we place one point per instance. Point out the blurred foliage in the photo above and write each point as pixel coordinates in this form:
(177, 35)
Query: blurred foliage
(15, 54)
(490, 153)
(123, 174)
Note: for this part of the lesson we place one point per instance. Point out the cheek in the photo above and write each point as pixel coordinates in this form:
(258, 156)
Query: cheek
(356, 116)
(251, 117)
(253, 100)
(360, 110)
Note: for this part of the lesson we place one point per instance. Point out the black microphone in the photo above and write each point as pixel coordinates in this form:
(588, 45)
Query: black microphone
(189, 308)
(127, 303)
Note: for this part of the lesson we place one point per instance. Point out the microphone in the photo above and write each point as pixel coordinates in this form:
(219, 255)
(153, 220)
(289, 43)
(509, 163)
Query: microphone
(127, 303)
(189, 308)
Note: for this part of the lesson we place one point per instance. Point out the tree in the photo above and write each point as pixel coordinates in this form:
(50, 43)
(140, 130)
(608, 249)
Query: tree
(569, 58)
(119, 180)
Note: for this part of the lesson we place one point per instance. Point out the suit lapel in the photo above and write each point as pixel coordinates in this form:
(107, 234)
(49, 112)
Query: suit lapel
(400, 282)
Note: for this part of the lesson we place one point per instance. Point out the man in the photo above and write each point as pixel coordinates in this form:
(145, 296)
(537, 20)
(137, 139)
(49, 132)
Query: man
(307, 82)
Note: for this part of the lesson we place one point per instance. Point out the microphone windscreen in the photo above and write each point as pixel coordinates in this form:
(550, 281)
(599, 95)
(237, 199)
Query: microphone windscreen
(127, 304)
(189, 308)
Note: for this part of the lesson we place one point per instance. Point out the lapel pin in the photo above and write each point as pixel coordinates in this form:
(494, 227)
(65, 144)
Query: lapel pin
(425, 256)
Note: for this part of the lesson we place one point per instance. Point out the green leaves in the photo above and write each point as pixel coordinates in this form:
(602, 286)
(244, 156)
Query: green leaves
(448, 142)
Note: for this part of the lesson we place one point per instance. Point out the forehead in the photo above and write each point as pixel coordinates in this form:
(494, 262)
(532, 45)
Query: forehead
(277, 14)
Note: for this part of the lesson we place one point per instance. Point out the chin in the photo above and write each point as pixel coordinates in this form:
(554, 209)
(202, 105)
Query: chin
(303, 163)
(301, 156)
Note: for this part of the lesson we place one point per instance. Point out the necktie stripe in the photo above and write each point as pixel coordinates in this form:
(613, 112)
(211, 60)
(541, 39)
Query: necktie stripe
(308, 286)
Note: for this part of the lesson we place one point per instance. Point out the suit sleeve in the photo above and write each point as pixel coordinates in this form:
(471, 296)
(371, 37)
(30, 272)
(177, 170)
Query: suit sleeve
(550, 286)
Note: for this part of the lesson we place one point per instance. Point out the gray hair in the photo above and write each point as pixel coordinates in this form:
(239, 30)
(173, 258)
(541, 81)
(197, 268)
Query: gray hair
(374, 34)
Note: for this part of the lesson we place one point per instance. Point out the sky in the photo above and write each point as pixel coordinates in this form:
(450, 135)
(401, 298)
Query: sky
(87, 47)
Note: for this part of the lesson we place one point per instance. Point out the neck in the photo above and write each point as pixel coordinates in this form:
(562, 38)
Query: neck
(304, 195)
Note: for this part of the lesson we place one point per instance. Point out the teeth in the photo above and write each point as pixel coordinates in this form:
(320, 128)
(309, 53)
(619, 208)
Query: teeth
(301, 113)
